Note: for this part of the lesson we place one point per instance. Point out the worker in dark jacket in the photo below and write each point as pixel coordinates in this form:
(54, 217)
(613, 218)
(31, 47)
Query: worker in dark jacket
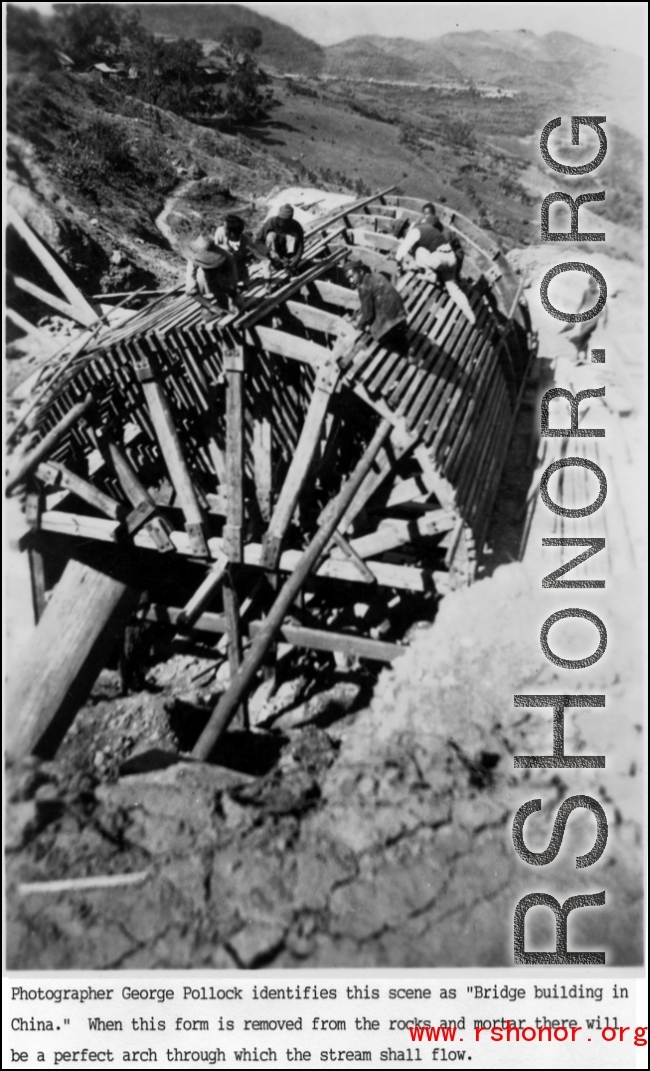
(284, 239)
(231, 235)
(432, 249)
(381, 309)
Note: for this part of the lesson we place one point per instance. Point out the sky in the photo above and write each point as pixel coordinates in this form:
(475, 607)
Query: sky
(620, 26)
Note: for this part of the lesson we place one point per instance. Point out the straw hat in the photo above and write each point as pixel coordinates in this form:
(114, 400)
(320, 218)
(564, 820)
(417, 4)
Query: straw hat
(204, 253)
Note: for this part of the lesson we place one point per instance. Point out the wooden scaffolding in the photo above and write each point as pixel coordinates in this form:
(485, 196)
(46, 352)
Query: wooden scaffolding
(238, 465)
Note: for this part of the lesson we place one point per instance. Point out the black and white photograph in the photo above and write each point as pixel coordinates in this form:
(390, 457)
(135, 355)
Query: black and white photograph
(325, 507)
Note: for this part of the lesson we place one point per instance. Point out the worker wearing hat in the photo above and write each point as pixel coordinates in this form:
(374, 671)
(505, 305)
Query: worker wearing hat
(284, 239)
(381, 310)
(211, 272)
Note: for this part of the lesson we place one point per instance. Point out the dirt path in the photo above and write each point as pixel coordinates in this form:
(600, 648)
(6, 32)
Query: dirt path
(162, 220)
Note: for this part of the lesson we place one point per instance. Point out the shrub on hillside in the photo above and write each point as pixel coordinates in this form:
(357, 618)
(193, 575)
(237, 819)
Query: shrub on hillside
(100, 156)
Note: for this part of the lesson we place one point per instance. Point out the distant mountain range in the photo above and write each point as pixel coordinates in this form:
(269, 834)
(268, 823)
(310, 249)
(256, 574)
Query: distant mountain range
(557, 67)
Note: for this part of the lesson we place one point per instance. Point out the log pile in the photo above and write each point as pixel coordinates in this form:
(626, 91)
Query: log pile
(190, 454)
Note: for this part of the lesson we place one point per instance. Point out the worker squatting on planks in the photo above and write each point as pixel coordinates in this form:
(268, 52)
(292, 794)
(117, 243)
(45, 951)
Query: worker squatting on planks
(429, 247)
(284, 240)
(381, 311)
(211, 272)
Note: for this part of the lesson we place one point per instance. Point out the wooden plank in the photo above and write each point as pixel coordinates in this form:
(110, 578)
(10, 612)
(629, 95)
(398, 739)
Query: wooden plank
(157, 527)
(234, 365)
(37, 580)
(318, 319)
(49, 299)
(405, 491)
(68, 648)
(455, 382)
(53, 473)
(354, 206)
(33, 513)
(348, 551)
(232, 615)
(286, 345)
(204, 593)
(250, 318)
(395, 533)
(297, 636)
(404, 578)
(434, 481)
(321, 640)
(53, 268)
(46, 445)
(263, 454)
(372, 239)
(172, 450)
(326, 382)
(333, 294)
(44, 337)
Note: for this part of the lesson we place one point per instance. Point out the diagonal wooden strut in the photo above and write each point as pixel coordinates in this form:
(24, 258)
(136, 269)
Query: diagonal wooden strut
(172, 451)
(240, 686)
(145, 512)
(47, 443)
(325, 384)
(85, 312)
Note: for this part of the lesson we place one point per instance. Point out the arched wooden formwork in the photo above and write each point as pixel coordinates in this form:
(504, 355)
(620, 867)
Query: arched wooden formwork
(228, 441)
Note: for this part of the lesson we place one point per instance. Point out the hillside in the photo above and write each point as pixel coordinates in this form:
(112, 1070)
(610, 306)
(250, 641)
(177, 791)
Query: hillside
(557, 67)
(282, 47)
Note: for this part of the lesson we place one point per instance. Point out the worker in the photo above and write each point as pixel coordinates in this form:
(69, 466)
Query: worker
(381, 310)
(211, 272)
(403, 221)
(284, 239)
(429, 247)
(231, 235)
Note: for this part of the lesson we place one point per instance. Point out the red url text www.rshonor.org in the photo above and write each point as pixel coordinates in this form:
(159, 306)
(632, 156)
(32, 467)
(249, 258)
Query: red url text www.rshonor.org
(512, 1032)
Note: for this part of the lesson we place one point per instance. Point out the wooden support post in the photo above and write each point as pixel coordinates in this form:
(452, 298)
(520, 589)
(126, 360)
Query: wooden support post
(263, 454)
(324, 386)
(68, 649)
(232, 614)
(172, 451)
(233, 359)
(204, 593)
(240, 686)
(47, 444)
(33, 510)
